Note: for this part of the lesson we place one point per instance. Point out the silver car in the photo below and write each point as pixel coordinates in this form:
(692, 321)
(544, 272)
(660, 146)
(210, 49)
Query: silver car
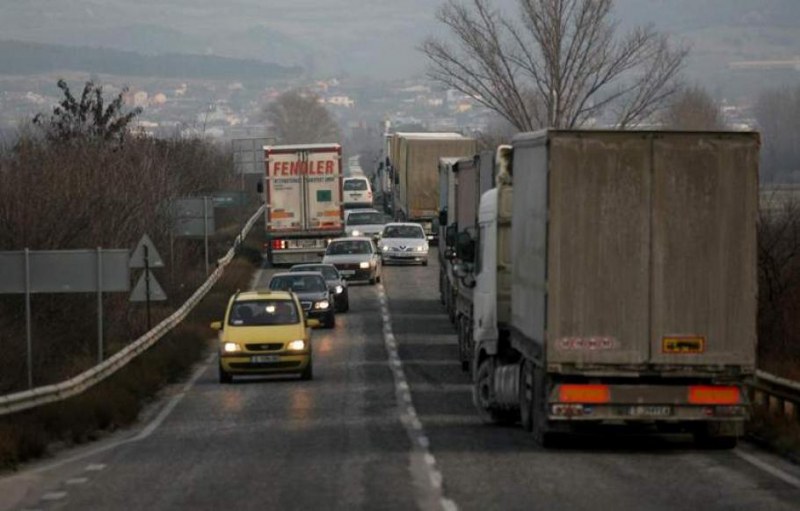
(367, 223)
(355, 258)
(404, 243)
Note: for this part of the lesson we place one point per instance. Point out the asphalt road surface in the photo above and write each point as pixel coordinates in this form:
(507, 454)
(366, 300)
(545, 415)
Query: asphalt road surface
(387, 423)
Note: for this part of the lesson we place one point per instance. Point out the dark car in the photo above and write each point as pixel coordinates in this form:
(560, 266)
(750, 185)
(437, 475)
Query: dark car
(336, 283)
(312, 291)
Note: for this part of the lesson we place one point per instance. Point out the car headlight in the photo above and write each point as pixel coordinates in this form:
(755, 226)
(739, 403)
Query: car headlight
(386, 248)
(298, 345)
(355, 233)
(324, 304)
(363, 265)
(231, 347)
(422, 248)
(339, 290)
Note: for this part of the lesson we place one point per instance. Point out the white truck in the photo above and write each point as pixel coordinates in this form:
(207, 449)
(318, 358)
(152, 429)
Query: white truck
(619, 286)
(303, 195)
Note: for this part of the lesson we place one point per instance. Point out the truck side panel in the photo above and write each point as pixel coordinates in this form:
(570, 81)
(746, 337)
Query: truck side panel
(529, 244)
(467, 196)
(599, 254)
(420, 160)
(705, 205)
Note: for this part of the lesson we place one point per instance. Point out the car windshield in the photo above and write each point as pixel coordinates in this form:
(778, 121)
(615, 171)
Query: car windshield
(298, 283)
(403, 231)
(355, 185)
(349, 247)
(368, 218)
(329, 272)
(263, 313)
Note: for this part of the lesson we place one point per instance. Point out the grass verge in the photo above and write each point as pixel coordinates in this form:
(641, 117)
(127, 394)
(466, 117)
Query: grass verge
(776, 432)
(117, 401)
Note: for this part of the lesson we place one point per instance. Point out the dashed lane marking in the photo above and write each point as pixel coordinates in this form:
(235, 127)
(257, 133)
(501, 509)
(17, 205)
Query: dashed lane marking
(77, 480)
(422, 459)
(53, 496)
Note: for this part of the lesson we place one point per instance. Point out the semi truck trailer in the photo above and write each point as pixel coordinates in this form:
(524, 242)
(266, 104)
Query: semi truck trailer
(303, 194)
(414, 160)
(615, 282)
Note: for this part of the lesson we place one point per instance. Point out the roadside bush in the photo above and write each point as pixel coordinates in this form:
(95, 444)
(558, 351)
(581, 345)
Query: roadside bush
(779, 290)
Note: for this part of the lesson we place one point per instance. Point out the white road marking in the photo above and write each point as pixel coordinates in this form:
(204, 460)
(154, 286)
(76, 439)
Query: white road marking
(54, 495)
(766, 467)
(77, 480)
(146, 432)
(95, 467)
(410, 419)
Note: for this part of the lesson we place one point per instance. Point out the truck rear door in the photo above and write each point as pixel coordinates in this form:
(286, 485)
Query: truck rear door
(705, 203)
(323, 191)
(285, 192)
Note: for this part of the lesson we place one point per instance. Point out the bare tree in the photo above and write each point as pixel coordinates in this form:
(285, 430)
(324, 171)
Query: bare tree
(88, 117)
(693, 108)
(778, 115)
(561, 65)
(299, 117)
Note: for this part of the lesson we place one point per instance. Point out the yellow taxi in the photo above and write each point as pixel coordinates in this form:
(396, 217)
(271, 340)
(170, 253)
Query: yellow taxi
(264, 332)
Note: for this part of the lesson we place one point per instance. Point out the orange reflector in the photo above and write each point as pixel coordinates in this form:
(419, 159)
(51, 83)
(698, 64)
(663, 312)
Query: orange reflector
(584, 394)
(714, 395)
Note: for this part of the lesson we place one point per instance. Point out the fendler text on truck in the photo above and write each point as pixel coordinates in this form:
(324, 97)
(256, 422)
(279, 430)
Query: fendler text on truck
(630, 258)
(303, 194)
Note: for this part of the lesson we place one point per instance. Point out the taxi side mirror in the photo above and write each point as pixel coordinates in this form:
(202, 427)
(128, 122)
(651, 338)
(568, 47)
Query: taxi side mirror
(216, 325)
(313, 323)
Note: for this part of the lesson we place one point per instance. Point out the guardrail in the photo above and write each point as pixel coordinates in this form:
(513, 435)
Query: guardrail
(20, 401)
(776, 394)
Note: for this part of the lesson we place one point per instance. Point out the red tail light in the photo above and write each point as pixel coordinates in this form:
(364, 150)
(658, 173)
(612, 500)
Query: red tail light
(584, 394)
(714, 395)
(278, 244)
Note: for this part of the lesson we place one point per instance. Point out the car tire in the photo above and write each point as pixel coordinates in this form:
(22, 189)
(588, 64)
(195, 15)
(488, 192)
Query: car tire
(346, 303)
(330, 321)
(372, 281)
(308, 372)
(425, 262)
(224, 376)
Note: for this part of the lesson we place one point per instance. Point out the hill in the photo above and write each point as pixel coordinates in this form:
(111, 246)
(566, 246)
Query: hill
(25, 58)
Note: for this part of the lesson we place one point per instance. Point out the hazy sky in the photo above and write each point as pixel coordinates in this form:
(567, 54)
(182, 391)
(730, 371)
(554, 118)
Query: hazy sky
(371, 37)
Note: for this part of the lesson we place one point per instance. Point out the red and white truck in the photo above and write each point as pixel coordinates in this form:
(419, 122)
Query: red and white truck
(303, 194)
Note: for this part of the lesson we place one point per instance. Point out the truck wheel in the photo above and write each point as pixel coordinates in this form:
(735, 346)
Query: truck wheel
(526, 395)
(710, 436)
(483, 397)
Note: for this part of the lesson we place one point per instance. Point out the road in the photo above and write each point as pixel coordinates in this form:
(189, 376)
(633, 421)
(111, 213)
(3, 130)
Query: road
(387, 423)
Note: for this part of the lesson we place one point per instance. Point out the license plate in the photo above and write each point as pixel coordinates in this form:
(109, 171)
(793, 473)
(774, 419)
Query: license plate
(348, 273)
(264, 359)
(650, 411)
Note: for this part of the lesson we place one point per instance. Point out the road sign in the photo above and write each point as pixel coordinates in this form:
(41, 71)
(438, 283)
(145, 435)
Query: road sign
(137, 258)
(139, 293)
(248, 155)
(229, 199)
(64, 271)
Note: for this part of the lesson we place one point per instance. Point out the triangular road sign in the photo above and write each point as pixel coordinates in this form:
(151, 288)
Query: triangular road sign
(139, 293)
(154, 259)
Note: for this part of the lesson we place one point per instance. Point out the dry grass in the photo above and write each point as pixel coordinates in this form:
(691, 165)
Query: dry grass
(778, 432)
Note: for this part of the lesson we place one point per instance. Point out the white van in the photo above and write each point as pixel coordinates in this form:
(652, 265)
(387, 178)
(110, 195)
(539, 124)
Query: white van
(357, 192)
